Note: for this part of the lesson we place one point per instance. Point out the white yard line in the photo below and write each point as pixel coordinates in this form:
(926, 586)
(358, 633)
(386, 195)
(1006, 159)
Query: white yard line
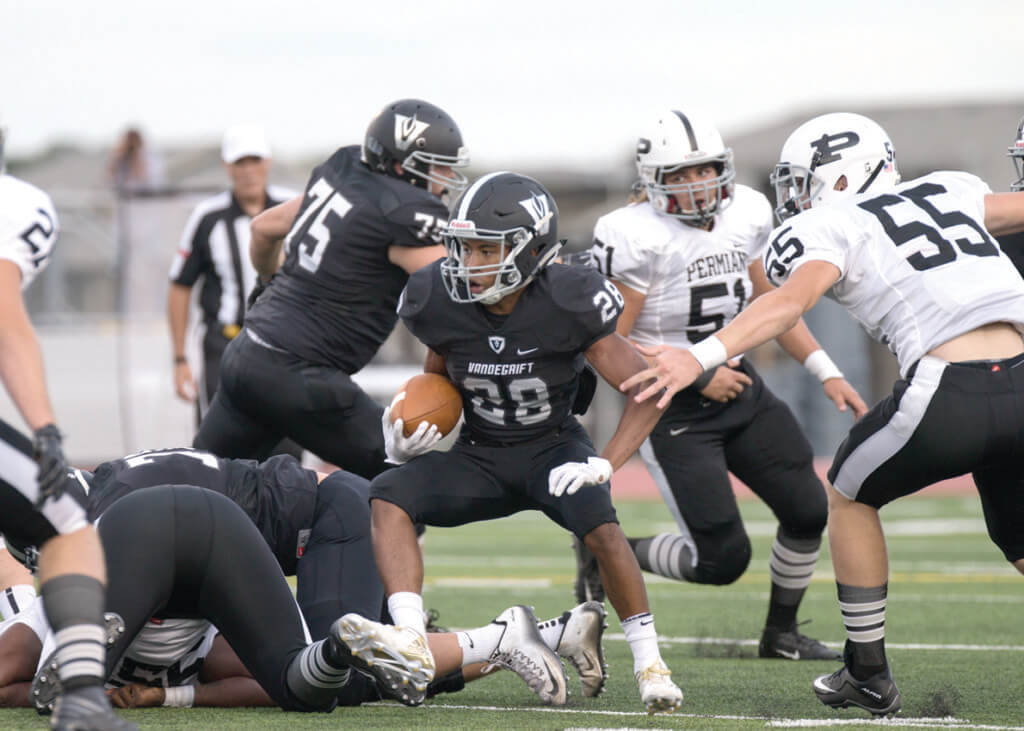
(772, 722)
(667, 640)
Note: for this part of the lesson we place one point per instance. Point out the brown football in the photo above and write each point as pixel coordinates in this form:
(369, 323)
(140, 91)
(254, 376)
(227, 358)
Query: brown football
(431, 398)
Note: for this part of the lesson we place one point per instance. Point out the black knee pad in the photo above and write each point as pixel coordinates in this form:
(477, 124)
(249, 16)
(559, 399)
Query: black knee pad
(722, 557)
(805, 517)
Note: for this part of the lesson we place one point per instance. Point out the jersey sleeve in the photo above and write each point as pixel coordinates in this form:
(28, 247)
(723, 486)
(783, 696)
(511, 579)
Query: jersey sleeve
(625, 257)
(807, 238)
(417, 223)
(28, 233)
(969, 189)
(590, 305)
(414, 304)
(190, 258)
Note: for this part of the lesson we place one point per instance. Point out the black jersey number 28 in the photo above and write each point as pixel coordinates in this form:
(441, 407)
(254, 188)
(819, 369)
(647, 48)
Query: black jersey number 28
(901, 234)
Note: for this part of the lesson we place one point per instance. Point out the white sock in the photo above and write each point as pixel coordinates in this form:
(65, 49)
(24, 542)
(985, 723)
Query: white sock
(642, 639)
(480, 643)
(15, 599)
(551, 630)
(406, 609)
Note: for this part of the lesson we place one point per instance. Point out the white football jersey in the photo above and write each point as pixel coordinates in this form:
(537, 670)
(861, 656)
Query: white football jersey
(917, 267)
(166, 652)
(28, 226)
(694, 281)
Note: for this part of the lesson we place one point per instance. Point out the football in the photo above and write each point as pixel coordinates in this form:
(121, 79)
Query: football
(431, 398)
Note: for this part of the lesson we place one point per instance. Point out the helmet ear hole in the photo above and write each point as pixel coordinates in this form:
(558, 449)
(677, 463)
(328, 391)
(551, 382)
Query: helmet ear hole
(841, 183)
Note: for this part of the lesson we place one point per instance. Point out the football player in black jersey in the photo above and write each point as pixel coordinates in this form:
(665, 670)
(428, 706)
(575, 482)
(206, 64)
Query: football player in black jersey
(324, 520)
(369, 217)
(1013, 244)
(513, 331)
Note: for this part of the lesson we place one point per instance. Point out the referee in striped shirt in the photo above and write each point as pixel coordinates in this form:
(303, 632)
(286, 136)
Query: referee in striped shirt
(215, 248)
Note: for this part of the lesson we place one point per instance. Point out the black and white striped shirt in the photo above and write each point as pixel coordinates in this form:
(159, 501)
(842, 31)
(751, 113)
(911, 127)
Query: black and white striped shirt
(215, 247)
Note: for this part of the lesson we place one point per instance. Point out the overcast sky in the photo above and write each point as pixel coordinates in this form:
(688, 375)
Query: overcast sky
(545, 81)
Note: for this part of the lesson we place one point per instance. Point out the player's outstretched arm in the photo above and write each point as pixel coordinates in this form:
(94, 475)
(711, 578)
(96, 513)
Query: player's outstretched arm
(615, 358)
(765, 319)
(268, 231)
(1004, 213)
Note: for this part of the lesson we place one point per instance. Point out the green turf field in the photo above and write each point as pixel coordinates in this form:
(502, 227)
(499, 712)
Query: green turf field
(954, 630)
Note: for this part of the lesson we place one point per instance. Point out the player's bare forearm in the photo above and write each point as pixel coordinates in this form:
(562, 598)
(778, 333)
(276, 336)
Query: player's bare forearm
(178, 297)
(435, 363)
(766, 318)
(615, 359)
(798, 341)
(16, 695)
(1004, 213)
(268, 232)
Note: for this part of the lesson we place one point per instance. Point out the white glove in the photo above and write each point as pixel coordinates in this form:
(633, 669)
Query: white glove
(400, 448)
(571, 476)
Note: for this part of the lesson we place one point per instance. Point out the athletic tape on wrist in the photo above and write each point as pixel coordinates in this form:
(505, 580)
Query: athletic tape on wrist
(180, 696)
(709, 352)
(820, 365)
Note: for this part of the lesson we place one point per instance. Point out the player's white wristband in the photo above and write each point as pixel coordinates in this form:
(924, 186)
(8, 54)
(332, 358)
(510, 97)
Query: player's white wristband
(709, 352)
(820, 365)
(181, 696)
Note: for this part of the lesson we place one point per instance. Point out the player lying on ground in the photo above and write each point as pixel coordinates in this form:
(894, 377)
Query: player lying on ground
(187, 662)
(187, 569)
(915, 263)
(319, 532)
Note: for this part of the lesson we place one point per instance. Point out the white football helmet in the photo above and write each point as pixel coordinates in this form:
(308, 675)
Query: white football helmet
(673, 141)
(825, 149)
(1016, 153)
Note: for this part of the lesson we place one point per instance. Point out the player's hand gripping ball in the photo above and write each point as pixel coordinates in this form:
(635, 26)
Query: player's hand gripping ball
(431, 398)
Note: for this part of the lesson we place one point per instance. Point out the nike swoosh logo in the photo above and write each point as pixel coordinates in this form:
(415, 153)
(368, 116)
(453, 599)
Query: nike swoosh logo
(677, 432)
(644, 624)
(527, 351)
(791, 655)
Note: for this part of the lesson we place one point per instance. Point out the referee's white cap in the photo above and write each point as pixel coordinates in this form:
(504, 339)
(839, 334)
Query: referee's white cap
(244, 140)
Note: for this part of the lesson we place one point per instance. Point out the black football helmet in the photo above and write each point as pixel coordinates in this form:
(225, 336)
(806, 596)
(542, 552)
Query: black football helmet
(513, 210)
(417, 135)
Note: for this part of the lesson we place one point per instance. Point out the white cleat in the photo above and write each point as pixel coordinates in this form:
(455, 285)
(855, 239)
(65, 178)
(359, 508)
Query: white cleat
(398, 657)
(522, 650)
(580, 644)
(657, 690)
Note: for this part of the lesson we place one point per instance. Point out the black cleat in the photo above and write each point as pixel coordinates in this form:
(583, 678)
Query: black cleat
(46, 685)
(792, 645)
(877, 695)
(588, 576)
(87, 709)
